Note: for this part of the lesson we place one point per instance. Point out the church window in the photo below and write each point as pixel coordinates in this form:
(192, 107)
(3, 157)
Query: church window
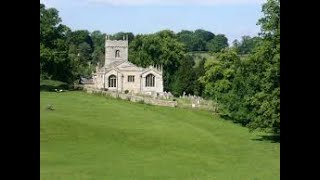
(112, 81)
(150, 80)
(130, 78)
(117, 55)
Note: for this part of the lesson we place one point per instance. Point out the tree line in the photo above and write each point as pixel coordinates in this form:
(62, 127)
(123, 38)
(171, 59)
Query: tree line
(247, 88)
(243, 79)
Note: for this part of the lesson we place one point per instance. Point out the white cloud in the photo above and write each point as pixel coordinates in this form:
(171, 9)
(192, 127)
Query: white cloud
(175, 2)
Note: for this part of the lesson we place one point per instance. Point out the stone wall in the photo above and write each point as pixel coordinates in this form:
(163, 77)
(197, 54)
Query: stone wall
(133, 98)
(165, 99)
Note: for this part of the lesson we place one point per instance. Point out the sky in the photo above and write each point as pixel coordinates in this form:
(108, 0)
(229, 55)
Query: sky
(234, 18)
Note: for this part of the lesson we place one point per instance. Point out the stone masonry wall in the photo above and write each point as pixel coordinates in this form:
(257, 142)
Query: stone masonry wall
(133, 98)
(165, 100)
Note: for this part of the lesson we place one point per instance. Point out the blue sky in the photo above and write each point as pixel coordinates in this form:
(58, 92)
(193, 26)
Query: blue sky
(234, 18)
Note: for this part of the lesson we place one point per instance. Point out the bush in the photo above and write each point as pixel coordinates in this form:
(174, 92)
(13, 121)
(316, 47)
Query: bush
(141, 101)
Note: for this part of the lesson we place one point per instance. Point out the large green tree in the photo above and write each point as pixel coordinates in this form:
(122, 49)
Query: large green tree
(186, 37)
(123, 35)
(80, 49)
(54, 61)
(161, 48)
(195, 41)
(247, 44)
(98, 39)
(248, 89)
(218, 43)
(185, 77)
(199, 72)
(266, 103)
(219, 75)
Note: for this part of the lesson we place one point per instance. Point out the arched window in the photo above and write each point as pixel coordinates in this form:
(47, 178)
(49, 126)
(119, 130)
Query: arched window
(117, 55)
(150, 80)
(112, 81)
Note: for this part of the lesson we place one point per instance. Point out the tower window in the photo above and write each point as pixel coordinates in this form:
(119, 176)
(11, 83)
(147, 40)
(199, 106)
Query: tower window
(117, 55)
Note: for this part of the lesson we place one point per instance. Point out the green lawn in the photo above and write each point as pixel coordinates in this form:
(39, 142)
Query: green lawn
(93, 137)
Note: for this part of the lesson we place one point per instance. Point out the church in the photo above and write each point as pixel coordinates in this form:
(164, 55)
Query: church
(120, 75)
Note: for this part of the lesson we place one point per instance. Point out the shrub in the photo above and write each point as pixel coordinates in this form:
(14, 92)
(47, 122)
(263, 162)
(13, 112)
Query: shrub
(126, 91)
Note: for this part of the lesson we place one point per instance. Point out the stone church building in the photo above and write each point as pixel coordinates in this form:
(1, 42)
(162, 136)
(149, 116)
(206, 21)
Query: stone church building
(118, 74)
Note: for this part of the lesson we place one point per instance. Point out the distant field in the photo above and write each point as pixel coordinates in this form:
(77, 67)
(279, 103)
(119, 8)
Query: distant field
(93, 137)
(198, 55)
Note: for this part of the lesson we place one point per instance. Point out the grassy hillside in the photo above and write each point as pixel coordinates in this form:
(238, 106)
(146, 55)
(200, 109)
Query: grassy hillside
(199, 55)
(92, 137)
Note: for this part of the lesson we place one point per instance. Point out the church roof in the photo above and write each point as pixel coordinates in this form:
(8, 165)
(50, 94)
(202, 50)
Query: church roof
(117, 63)
(124, 64)
(151, 69)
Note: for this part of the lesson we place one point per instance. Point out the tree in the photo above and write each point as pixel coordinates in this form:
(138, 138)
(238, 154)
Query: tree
(247, 44)
(161, 48)
(204, 35)
(270, 23)
(98, 40)
(199, 72)
(185, 77)
(121, 35)
(54, 61)
(218, 43)
(186, 37)
(195, 41)
(80, 49)
(198, 44)
(266, 103)
(79, 36)
(248, 89)
(219, 75)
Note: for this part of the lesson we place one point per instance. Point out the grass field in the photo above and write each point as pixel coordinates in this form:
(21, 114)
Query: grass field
(199, 55)
(92, 137)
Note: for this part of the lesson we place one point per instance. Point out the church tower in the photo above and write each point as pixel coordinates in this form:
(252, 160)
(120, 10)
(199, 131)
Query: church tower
(116, 50)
